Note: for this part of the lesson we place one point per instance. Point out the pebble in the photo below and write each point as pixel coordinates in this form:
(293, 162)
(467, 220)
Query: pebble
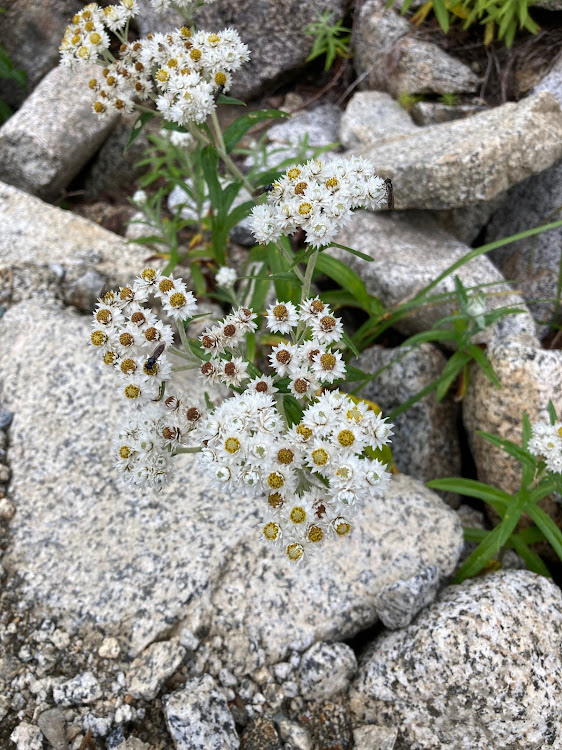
(52, 725)
(153, 667)
(325, 670)
(109, 648)
(6, 417)
(82, 689)
(7, 509)
(27, 737)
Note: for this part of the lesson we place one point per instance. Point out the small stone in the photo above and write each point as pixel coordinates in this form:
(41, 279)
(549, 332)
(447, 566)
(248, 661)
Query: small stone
(4, 706)
(188, 640)
(124, 713)
(52, 725)
(198, 718)
(133, 743)
(372, 737)
(6, 417)
(7, 509)
(290, 689)
(5, 474)
(82, 689)
(60, 639)
(227, 679)
(246, 689)
(294, 734)
(399, 603)
(27, 737)
(153, 667)
(262, 676)
(325, 670)
(109, 648)
(282, 670)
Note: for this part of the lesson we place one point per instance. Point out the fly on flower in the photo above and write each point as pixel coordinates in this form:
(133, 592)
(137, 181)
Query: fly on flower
(151, 361)
(263, 189)
(389, 194)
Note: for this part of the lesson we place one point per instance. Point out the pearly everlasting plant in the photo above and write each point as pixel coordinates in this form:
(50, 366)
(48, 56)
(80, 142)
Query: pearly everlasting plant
(319, 197)
(310, 465)
(181, 72)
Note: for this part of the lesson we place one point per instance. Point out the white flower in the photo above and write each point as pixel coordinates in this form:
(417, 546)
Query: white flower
(303, 383)
(233, 372)
(140, 197)
(311, 309)
(329, 366)
(283, 358)
(326, 329)
(264, 224)
(180, 304)
(281, 317)
(225, 277)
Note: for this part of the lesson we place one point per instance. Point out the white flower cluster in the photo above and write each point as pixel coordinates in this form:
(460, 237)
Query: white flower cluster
(181, 71)
(131, 338)
(307, 364)
(546, 441)
(317, 196)
(314, 474)
(226, 277)
(86, 38)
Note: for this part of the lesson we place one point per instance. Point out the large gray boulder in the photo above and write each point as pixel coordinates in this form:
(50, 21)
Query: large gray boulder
(273, 30)
(480, 668)
(469, 161)
(45, 144)
(388, 57)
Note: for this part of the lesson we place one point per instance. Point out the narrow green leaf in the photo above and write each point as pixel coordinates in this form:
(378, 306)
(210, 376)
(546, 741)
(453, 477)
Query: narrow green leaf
(433, 335)
(345, 277)
(495, 497)
(531, 559)
(547, 526)
(509, 447)
(496, 539)
(137, 128)
(551, 409)
(351, 250)
(242, 124)
(441, 14)
(293, 410)
(349, 343)
(526, 431)
(484, 363)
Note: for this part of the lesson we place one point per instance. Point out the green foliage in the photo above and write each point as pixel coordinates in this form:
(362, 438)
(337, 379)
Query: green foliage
(331, 39)
(501, 19)
(407, 101)
(8, 71)
(536, 484)
(450, 99)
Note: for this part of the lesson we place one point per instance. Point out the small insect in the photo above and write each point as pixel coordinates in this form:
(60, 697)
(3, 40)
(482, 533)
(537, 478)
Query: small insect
(263, 189)
(151, 361)
(218, 92)
(389, 194)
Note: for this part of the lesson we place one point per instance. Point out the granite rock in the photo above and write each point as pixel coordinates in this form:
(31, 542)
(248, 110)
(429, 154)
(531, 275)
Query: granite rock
(399, 603)
(44, 145)
(136, 573)
(321, 123)
(45, 251)
(466, 223)
(52, 725)
(27, 737)
(481, 667)
(533, 263)
(469, 161)
(198, 718)
(330, 725)
(529, 377)
(295, 735)
(262, 611)
(552, 81)
(325, 670)
(390, 58)
(151, 669)
(30, 33)
(432, 113)
(372, 737)
(82, 689)
(420, 450)
(372, 116)
(409, 251)
(273, 31)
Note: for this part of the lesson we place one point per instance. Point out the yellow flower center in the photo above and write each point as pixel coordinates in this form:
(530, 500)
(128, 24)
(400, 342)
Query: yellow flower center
(346, 438)
(149, 274)
(232, 444)
(294, 552)
(293, 173)
(315, 534)
(220, 79)
(297, 514)
(332, 182)
(285, 456)
(275, 480)
(109, 358)
(195, 54)
(172, 63)
(354, 414)
(95, 38)
(98, 338)
(124, 451)
(328, 361)
(342, 527)
(275, 500)
(132, 391)
(162, 75)
(213, 38)
(320, 457)
(177, 300)
(166, 285)
(104, 317)
(304, 432)
(271, 531)
(305, 209)
(128, 366)
(280, 312)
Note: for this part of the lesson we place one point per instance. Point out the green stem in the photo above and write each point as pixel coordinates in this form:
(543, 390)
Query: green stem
(197, 449)
(289, 260)
(183, 337)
